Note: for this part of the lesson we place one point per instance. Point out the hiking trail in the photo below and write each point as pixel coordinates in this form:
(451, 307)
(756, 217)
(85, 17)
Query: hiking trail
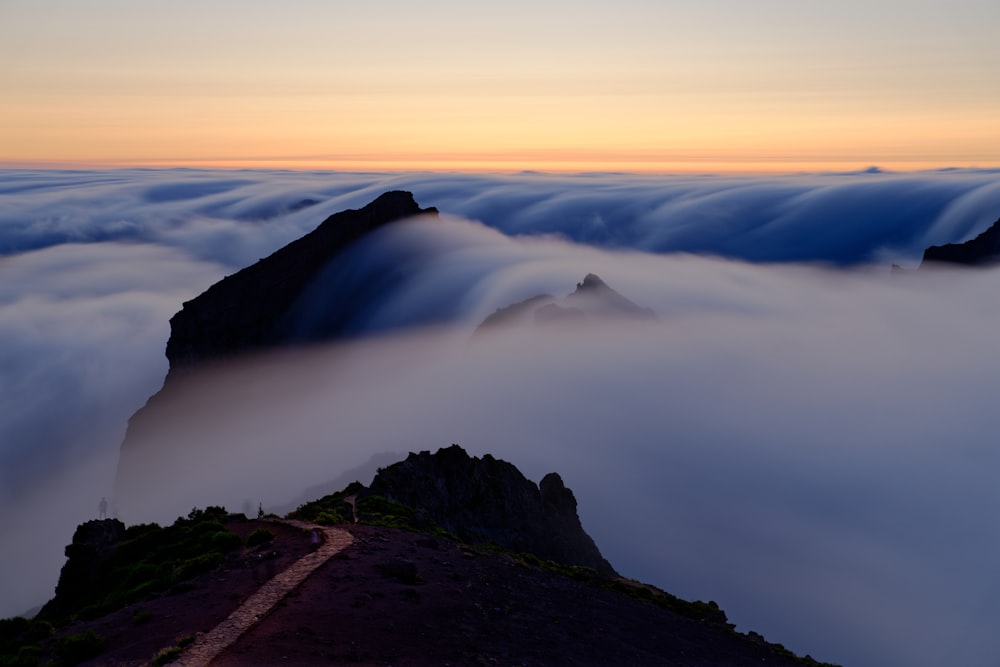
(210, 645)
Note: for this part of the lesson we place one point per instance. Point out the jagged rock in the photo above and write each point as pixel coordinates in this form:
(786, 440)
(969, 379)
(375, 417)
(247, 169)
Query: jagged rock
(984, 250)
(93, 542)
(247, 311)
(489, 500)
(593, 299)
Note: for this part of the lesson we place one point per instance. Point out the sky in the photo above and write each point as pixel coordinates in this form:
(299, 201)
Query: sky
(802, 436)
(634, 85)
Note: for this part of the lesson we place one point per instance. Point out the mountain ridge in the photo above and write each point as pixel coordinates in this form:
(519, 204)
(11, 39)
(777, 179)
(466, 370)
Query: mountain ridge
(247, 310)
(396, 590)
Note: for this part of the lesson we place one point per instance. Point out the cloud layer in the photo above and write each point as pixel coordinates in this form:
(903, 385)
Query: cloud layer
(807, 446)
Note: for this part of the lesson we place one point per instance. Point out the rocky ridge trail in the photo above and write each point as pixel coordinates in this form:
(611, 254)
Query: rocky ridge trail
(208, 646)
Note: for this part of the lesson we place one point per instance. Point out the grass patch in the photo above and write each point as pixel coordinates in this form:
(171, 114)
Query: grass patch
(260, 536)
(170, 654)
(328, 510)
(166, 655)
(148, 559)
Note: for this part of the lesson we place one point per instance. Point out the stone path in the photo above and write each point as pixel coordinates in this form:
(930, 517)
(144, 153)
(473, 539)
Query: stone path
(209, 645)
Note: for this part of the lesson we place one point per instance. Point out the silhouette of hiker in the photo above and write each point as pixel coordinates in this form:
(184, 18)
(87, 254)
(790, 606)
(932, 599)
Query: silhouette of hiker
(102, 507)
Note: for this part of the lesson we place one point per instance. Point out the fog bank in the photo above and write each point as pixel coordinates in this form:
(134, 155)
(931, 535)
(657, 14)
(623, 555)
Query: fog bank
(808, 446)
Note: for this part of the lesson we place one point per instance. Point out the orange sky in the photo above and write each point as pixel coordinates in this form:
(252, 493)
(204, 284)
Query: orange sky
(635, 85)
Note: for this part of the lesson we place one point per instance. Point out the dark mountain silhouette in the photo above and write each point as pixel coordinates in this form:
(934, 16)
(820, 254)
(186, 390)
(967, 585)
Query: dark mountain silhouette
(385, 583)
(489, 500)
(248, 311)
(984, 250)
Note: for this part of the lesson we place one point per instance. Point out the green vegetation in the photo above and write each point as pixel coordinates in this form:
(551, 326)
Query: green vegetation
(708, 613)
(147, 560)
(21, 640)
(166, 655)
(260, 536)
(170, 654)
(705, 612)
(328, 510)
(380, 511)
(372, 510)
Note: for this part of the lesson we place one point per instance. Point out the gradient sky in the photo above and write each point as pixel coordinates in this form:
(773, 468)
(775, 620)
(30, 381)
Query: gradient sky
(385, 84)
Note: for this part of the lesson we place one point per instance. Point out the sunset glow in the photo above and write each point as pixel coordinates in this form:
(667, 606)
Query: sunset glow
(633, 86)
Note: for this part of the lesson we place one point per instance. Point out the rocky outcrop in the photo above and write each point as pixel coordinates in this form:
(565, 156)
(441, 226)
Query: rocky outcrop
(248, 310)
(488, 500)
(984, 250)
(592, 300)
(93, 543)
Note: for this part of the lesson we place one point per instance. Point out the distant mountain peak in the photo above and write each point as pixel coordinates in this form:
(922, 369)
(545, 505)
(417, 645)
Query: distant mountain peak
(592, 299)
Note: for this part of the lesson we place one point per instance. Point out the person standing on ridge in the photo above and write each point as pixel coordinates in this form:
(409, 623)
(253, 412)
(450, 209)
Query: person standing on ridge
(102, 507)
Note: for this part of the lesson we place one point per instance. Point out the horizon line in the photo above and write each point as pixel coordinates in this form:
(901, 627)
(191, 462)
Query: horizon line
(509, 167)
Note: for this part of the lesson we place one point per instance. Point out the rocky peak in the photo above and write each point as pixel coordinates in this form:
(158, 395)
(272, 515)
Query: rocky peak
(489, 500)
(248, 310)
(594, 296)
(593, 299)
(591, 282)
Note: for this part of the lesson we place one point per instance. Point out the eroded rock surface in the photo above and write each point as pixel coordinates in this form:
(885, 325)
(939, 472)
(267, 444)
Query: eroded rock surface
(489, 500)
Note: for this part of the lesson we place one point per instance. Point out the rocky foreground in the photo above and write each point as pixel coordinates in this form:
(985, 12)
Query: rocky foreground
(359, 578)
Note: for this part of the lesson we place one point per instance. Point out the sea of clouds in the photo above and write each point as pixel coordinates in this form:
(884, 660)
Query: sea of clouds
(800, 436)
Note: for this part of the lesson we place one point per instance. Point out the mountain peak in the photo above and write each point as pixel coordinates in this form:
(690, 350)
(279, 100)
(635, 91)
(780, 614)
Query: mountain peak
(489, 500)
(591, 281)
(592, 299)
(248, 310)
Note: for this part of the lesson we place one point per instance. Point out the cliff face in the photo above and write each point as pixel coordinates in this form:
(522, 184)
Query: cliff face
(984, 250)
(249, 310)
(489, 500)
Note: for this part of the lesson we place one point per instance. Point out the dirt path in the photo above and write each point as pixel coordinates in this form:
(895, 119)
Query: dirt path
(209, 645)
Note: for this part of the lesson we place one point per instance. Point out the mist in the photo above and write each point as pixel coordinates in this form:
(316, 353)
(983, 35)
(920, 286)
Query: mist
(809, 446)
